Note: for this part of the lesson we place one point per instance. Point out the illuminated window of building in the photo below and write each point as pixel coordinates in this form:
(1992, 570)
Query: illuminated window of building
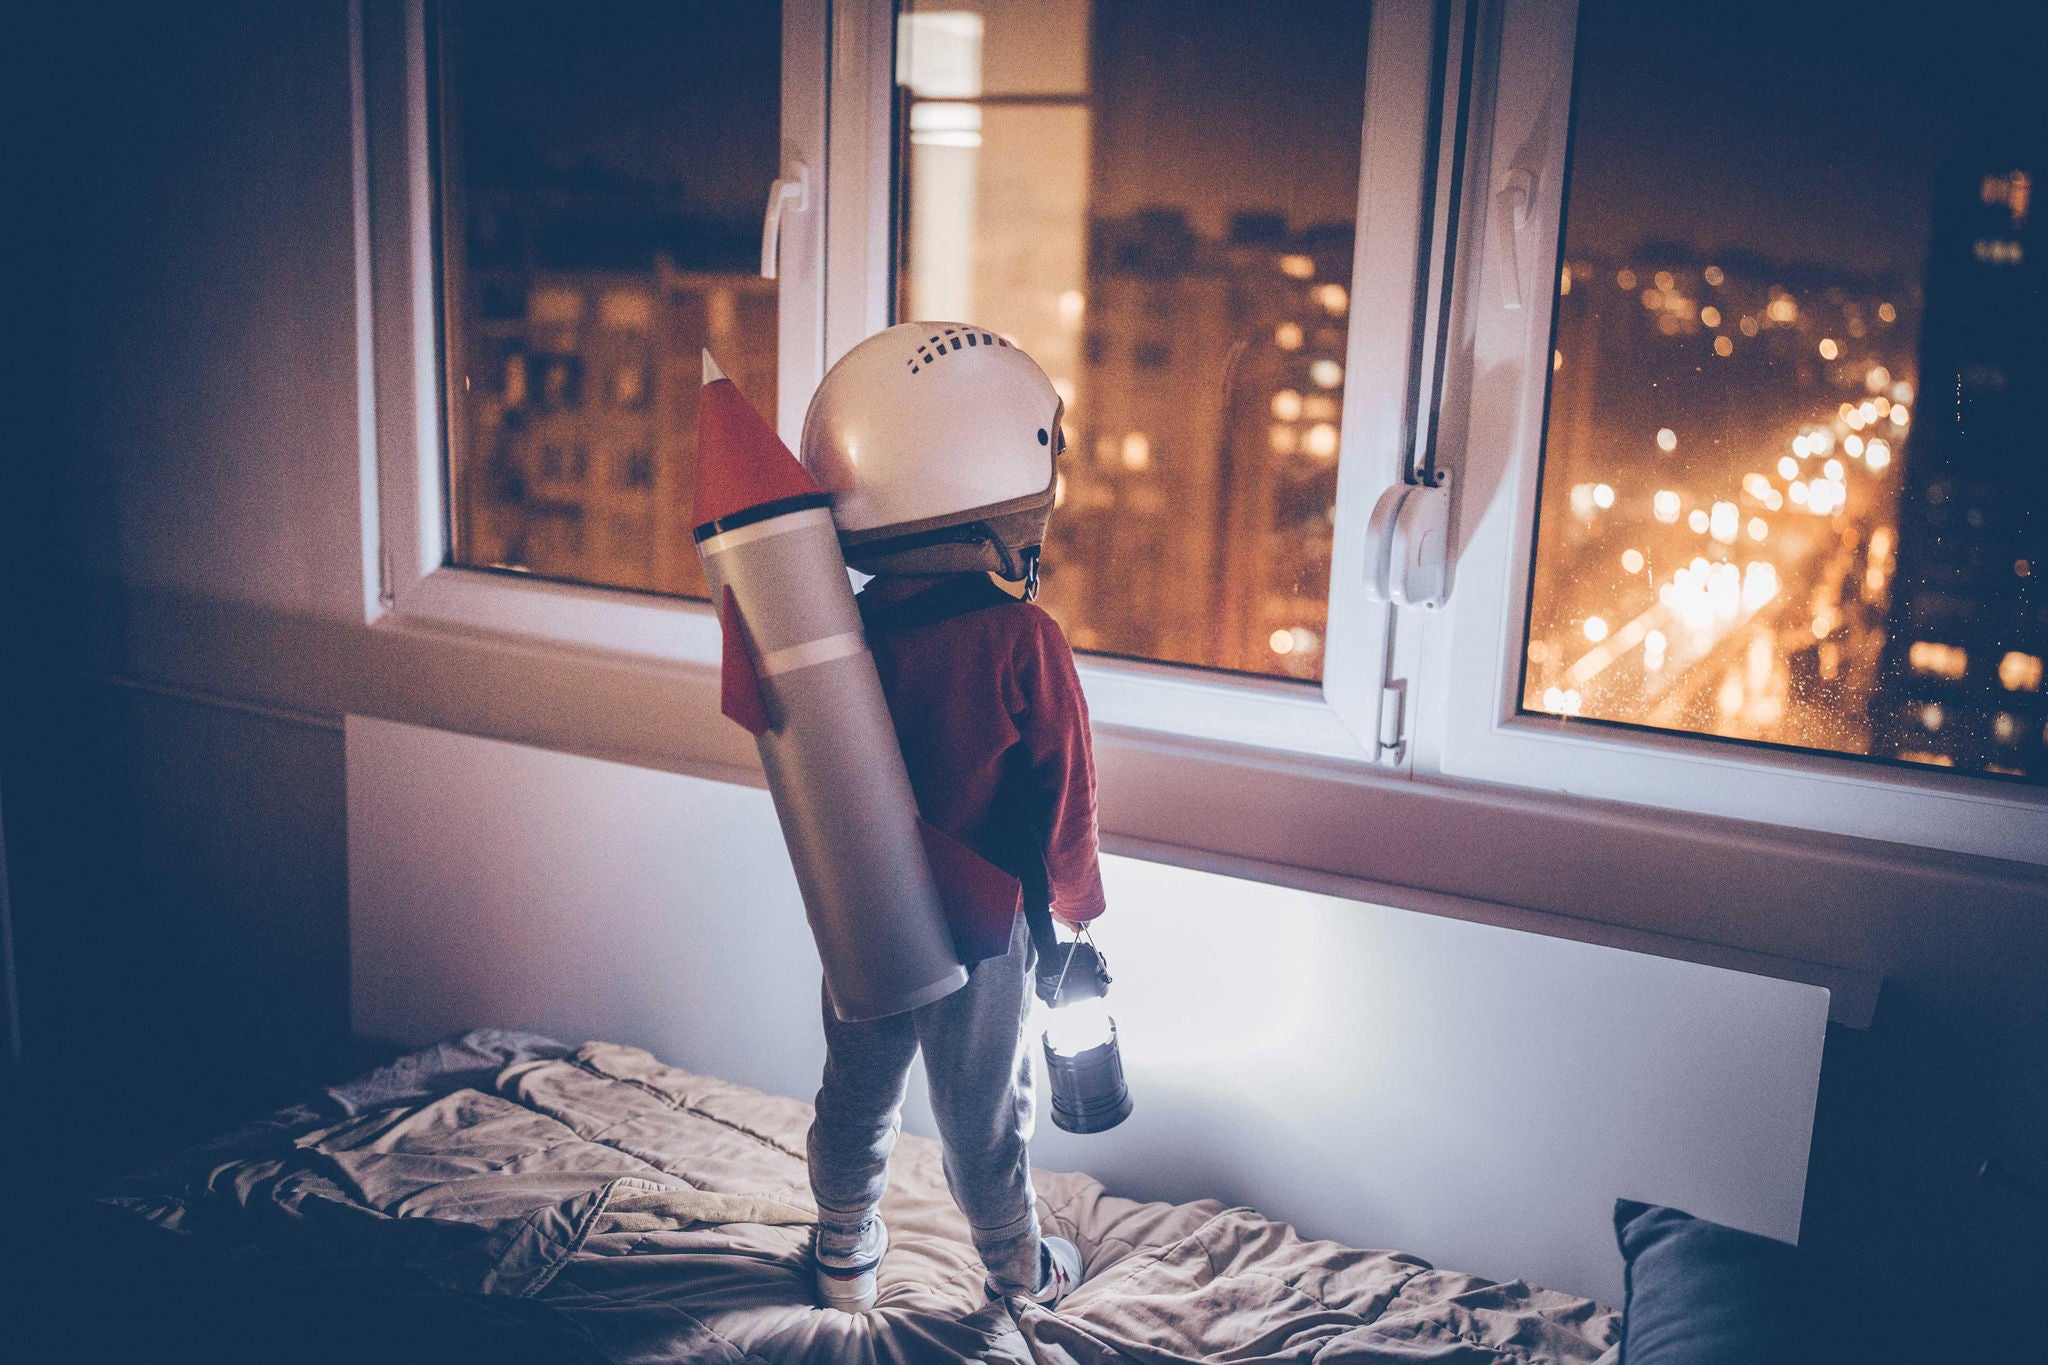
(2019, 672)
(1172, 241)
(1942, 660)
(583, 270)
(2013, 190)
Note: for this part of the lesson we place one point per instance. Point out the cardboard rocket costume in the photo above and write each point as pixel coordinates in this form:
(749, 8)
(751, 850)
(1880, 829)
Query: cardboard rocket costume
(895, 905)
(928, 462)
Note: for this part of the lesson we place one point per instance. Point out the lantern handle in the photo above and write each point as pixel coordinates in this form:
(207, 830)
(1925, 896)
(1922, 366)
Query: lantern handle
(1065, 967)
(1081, 935)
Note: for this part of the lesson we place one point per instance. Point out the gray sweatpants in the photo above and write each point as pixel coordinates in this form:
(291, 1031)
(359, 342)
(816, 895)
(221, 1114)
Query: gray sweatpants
(980, 1078)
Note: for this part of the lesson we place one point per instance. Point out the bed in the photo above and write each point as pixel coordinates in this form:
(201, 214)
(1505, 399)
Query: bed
(645, 1213)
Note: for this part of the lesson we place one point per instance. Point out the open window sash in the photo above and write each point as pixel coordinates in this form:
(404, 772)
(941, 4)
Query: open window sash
(1469, 725)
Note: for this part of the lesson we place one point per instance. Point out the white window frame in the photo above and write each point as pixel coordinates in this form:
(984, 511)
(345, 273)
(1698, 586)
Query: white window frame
(1461, 724)
(398, 282)
(1468, 725)
(1341, 717)
(837, 290)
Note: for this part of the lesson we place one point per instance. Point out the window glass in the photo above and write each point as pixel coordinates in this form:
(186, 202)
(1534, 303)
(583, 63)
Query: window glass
(603, 171)
(1793, 478)
(1155, 200)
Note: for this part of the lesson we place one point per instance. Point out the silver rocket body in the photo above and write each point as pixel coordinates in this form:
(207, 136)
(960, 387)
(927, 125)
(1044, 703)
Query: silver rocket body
(834, 768)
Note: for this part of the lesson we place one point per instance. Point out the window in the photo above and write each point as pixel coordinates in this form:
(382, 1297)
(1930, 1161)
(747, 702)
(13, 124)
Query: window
(1156, 201)
(602, 177)
(1160, 202)
(1792, 484)
(1679, 581)
(520, 373)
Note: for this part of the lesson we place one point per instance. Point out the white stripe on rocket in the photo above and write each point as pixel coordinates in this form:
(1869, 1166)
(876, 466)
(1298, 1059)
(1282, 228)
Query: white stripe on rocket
(820, 651)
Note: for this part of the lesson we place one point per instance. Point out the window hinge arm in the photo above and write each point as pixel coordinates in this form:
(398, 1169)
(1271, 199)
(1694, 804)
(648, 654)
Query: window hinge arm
(1392, 740)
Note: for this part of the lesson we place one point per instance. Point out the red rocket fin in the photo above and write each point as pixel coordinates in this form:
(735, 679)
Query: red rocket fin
(980, 899)
(739, 683)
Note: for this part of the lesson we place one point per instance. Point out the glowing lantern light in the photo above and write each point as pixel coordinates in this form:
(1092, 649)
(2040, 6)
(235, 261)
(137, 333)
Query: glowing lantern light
(1082, 1056)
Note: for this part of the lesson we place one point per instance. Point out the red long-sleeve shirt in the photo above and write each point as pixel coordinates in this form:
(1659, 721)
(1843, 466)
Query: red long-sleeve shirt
(994, 731)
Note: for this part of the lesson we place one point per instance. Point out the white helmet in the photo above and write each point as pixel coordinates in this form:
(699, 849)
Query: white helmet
(936, 441)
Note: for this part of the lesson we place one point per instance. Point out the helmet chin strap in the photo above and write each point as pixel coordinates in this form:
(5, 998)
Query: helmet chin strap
(1017, 564)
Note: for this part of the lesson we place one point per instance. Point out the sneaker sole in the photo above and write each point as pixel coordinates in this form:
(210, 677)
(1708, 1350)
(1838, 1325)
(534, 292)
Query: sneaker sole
(852, 1290)
(847, 1293)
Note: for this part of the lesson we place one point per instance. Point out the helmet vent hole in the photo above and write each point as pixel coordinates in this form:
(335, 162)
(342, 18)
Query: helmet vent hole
(1043, 439)
(937, 347)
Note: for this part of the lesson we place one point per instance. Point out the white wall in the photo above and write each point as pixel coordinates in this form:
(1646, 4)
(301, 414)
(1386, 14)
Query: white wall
(1378, 1076)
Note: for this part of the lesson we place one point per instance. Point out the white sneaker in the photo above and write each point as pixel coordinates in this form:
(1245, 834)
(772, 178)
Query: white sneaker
(1059, 1272)
(846, 1280)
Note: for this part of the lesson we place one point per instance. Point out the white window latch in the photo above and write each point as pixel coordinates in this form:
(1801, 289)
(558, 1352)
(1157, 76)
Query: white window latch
(1407, 545)
(795, 187)
(1510, 216)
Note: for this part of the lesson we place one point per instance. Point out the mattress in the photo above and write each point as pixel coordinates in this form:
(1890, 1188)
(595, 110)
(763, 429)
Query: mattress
(657, 1215)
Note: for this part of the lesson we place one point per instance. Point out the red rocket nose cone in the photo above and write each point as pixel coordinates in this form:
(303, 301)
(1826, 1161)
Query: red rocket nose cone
(741, 462)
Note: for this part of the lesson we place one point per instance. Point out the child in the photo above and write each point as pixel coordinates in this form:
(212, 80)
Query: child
(938, 443)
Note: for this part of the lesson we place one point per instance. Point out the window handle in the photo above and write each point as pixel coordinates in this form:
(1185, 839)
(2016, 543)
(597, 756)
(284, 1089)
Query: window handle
(1408, 545)
(1510, 216)
(796, 186)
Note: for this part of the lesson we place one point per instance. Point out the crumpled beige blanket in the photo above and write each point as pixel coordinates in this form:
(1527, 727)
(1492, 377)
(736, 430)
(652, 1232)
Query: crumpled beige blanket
(664, 1216)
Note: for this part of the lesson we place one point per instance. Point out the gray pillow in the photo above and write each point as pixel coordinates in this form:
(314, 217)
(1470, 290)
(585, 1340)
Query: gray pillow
(1699, 1293)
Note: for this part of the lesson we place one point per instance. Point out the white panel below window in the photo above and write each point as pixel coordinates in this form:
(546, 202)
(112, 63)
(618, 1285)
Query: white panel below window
(1473, 1094)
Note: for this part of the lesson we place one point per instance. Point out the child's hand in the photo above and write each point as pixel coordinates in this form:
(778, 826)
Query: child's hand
(1075, 971)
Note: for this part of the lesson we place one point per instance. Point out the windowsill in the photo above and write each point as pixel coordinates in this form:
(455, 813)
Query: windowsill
(1241, 731)
(555, 614)
(1150, 698)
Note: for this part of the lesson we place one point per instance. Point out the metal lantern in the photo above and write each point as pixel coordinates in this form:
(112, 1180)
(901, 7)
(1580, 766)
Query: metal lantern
(1081, 1056)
